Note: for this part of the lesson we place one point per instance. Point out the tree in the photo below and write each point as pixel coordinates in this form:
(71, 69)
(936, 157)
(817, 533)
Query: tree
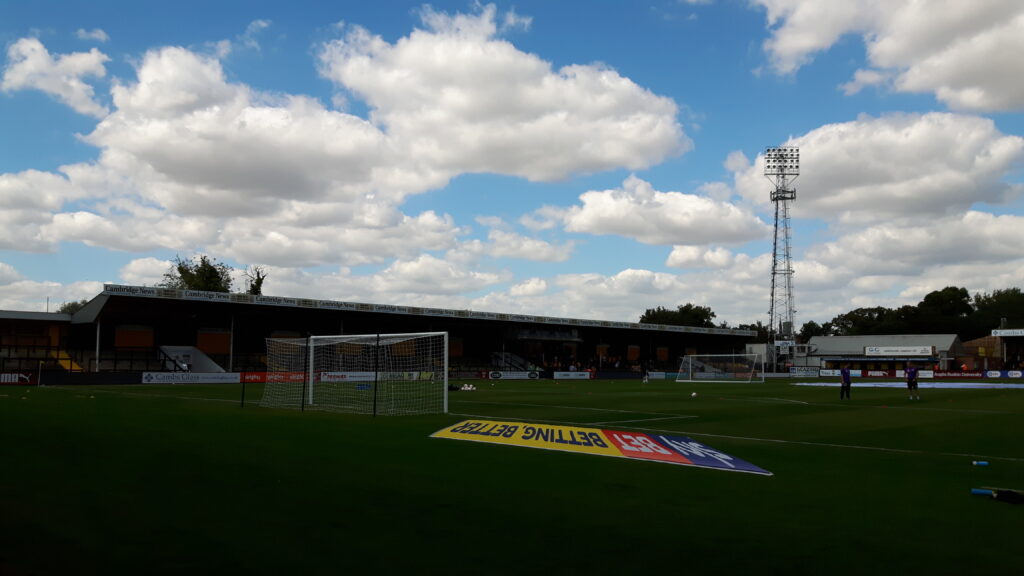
(991, 309)
(809, 330)
(204, 274)
(759, 327)
(254, 277)
(951, 302)
(860, 321)
(687, 315)
(945, 310)
(72, 307)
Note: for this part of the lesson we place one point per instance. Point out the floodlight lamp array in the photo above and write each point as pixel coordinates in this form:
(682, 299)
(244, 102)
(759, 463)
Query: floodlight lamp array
(782, 161)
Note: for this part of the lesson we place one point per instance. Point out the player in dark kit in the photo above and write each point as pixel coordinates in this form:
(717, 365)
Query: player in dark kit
(911, 372)
(844, 382)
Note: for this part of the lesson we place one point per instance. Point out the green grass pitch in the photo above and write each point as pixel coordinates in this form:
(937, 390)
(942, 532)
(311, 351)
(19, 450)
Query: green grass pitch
(181, 480)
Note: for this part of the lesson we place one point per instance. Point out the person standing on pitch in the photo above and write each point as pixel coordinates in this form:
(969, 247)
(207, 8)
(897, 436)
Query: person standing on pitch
(911, 373)
(844, 382)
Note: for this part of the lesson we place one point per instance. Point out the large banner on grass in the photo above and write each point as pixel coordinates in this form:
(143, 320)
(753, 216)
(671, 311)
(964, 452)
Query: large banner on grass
(635, 445)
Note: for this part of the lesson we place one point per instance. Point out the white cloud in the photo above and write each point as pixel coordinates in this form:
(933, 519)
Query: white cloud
(529, 287)
(638, 211)
(173, 82)
(912, 166)
(424, 280)
(253, 30)
(863, 79)
(459, 98)
(427, 274)
(511, 245)
(29, 200)
(965, 53)
(8, 275)
(699, 256)
(513, 21)
(909, 248)
(30, 66)
(543, 218)
(736, 161)
(147, 271)
(801, 28)
(95, 34)
(191, 161)
(16, 291)
(296, 239)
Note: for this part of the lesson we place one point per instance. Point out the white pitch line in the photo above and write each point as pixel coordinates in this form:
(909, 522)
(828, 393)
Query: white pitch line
(848, 446)
(568, 408)
(752, 439)
(765, 400)
(143, 394)
(561, 422)
(680, 417)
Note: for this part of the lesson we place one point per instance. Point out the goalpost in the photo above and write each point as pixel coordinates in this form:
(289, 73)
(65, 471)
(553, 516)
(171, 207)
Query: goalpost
(386, 374)
(721, 368)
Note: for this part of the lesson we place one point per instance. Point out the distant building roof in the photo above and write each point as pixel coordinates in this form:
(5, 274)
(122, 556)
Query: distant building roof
(854, 345)
(93, 308)
(22, 315)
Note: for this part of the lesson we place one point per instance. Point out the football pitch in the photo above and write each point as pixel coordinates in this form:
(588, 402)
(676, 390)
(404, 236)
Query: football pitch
(182, 480)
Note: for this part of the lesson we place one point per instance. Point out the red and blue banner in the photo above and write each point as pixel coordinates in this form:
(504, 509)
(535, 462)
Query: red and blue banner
(617, 443)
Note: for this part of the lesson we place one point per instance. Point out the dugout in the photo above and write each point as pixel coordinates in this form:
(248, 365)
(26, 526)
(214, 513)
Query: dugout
(126, 329)
(1009, 345)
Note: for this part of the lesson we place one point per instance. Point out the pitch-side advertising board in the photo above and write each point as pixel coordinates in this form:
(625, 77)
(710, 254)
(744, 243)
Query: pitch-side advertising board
(600, 442)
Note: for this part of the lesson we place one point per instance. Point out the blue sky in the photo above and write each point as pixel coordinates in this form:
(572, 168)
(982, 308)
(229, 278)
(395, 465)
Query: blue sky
(575, 159)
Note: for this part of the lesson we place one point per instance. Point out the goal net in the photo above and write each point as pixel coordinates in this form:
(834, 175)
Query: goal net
(386, 374)
(721, 368)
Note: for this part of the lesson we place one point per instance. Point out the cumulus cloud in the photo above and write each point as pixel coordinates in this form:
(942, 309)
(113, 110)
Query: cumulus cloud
(427, 274)
(529, 287)
(863, 79)
(296, 240)
(30, 200)
(699, 256)
(8, 274)
(965, 53)
(909, 166)
(424, 280)
(511, 245)
(192, 161)
(16, 290)
(908, 248)
(628, 293)
(465, 100)
(30, 66)
(147, 271)
(640, 212)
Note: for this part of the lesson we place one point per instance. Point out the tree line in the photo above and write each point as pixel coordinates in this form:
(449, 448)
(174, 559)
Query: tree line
(951, 310)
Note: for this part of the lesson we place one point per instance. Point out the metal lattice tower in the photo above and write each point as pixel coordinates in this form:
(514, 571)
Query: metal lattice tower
(782, 167)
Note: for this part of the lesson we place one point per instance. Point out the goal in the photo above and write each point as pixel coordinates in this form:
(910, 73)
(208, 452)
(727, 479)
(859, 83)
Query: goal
(385, 374)
(721, 368)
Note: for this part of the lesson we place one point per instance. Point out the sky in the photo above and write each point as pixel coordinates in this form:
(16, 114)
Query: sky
(580, 159)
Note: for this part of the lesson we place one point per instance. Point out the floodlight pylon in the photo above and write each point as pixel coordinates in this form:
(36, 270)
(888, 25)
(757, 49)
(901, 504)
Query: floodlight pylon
(781, 167)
